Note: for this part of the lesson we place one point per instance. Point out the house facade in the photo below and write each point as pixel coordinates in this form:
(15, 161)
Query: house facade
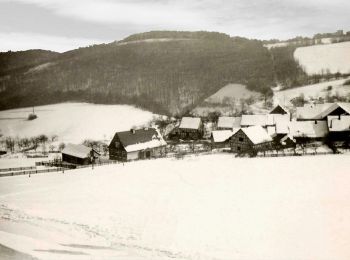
(137, 144)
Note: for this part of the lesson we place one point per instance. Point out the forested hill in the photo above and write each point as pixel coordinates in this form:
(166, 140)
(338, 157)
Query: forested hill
(164, 76)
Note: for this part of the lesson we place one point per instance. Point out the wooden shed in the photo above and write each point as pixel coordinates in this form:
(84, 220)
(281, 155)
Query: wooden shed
(79, 154)
(190, 128)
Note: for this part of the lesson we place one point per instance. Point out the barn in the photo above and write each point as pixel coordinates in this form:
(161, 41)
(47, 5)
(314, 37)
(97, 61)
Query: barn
(190, 128)
(78, 154)
(137, 144)
(250, 140)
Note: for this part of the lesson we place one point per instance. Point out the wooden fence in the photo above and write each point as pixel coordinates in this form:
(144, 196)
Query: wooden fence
(17, 169)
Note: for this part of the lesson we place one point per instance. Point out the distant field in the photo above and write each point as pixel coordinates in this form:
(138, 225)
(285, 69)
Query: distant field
(73, 122)
(233, 91)
(318, 58)
(202, 207)
(312, 91)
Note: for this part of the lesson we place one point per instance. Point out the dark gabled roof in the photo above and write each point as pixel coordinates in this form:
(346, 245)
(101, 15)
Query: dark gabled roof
(279, 110)
(138, 136)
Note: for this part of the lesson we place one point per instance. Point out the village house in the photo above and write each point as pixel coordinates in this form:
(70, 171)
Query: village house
(311, 112)
(79, 154)
(137, 144)
(251, 140)
(221, 138)
(228, 123)
(190, 128)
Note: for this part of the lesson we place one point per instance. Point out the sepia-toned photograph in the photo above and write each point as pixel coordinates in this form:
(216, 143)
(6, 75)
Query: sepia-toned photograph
(174, 130)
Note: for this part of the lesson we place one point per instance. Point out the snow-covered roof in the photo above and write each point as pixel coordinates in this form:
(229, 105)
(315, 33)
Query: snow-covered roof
(320, 111)
(229, 122)
(157, 141)
(338, 124)
(190, 123)
(220, 136)
(77, 150)
(257, 134)
(345, 106)
(309, 129)
(313, 111)
(271, 130)
(257, 120)
(282, 123)
(139, 139)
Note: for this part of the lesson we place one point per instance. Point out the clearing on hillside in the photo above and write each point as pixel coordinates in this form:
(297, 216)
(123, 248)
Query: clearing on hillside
(318, 59)
(315, 91)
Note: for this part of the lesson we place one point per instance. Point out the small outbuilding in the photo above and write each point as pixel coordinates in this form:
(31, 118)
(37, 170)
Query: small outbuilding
(228, 122)
(137, 144)
(190, 128)
(79, 154)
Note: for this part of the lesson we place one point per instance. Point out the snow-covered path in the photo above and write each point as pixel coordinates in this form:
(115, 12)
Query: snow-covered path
(205, 207)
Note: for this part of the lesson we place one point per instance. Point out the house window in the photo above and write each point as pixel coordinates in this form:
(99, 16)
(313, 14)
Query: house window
(240, 139)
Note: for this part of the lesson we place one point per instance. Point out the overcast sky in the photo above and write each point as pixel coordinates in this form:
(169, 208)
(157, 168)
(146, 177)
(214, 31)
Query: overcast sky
(62, 25)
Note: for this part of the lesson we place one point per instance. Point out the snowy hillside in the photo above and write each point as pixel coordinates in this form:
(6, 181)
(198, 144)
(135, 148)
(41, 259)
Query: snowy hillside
(320, 58)
(210, 207)
(73, 122)
(314, 91)
(228, 101)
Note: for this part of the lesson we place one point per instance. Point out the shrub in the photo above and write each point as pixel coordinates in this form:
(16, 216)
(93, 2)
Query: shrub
(32, 116)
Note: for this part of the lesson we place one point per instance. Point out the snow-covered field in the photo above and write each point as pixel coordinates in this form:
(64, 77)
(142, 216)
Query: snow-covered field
(228, 101)
(312, 91)
(232, 91)
(318, 58)
(73, 122)
(208, 207)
